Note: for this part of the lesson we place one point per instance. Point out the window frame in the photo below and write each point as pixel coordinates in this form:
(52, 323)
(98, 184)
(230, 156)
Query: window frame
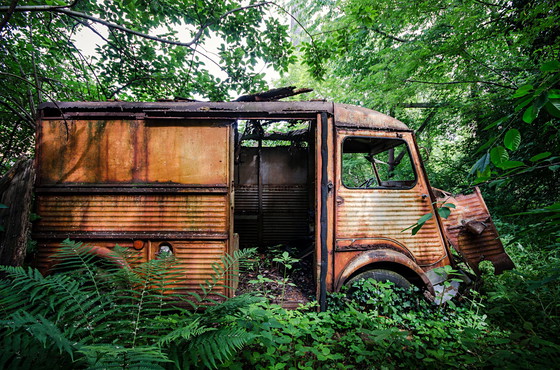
(407, 146)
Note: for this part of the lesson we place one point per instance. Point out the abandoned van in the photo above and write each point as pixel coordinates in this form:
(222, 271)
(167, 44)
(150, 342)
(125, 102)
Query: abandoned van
(203, 179)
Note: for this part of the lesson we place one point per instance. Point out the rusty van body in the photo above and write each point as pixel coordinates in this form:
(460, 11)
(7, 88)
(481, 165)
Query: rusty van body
(203, 179)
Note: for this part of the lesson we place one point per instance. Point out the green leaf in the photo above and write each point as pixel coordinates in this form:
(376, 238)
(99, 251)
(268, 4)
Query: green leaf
(511, 164)
(522, 91)
(499, 155)
(530, 113)
(416, 229)
(554, 94)
(444, 212)
(481, 164)
(523, 103)
(423, 219)
(512, 139)
(486, 144)
(553, 109)
(540, 156)
(553, 65)
(449, 205)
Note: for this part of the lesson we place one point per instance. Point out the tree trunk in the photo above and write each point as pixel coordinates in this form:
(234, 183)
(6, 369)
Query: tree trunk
(15, 193)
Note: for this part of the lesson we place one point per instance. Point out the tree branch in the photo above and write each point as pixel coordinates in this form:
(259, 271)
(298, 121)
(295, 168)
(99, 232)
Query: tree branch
(383, 33)
(423, 105)
(8, 14)
(461, 82)
(64, 10)
(23, 115)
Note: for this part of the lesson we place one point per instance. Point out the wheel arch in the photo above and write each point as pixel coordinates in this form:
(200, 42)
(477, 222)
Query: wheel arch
(388, 260)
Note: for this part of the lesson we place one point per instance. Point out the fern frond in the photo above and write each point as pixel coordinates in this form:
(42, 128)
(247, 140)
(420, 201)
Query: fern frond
(231, 307)
(30, 340)
(192, 329)
(107, 356)
(217, 346)
(226, 269)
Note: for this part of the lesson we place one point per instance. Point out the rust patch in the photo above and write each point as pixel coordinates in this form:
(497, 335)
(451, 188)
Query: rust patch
(472, 233)
(370, 244)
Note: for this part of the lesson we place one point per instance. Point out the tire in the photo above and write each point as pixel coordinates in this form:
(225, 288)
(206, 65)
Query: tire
(381, 275)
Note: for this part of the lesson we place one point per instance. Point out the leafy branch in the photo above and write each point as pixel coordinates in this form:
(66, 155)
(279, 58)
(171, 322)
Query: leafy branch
(66, 11)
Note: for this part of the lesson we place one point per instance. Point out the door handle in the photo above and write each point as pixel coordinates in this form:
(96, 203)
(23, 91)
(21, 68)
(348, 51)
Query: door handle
(339, 201)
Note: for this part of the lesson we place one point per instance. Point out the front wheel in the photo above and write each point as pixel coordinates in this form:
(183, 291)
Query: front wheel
(381, 275)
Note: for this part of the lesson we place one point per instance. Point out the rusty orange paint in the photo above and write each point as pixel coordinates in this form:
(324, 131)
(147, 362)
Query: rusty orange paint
(471, 231)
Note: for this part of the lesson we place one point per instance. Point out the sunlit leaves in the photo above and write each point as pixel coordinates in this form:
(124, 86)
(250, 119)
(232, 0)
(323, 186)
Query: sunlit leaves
(512, 139)
(444, 210)
(499, 155)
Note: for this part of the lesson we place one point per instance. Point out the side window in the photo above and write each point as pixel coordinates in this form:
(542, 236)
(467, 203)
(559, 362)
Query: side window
(376, 163)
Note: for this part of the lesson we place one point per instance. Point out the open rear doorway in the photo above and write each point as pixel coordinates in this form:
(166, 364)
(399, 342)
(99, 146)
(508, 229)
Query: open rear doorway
(274, 208)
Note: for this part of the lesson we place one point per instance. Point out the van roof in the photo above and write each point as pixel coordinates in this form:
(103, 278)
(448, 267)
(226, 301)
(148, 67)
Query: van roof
(349, 116)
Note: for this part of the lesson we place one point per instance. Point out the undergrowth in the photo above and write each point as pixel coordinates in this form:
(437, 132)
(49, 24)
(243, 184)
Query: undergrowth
(126, 314)
(378, 325)
(111, 313)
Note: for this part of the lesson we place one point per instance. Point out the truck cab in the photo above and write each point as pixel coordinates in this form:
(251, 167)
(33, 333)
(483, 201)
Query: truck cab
(203, 179)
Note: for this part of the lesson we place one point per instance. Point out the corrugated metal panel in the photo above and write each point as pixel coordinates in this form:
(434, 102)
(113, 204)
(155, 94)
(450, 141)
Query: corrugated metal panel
(46, 249)
(474, 248)
(165, 212)
(375, 213)
(196, 259)
(284, 212)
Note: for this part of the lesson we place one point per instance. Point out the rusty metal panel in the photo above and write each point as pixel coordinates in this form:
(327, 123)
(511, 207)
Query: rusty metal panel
(130, 151)
(46, 249)
(141, 213)
(357, 117)
(384, 214)
(195, 259)
(279, 213)
(187, 154)
(278, 166)
(471, 231)
(88, 151)
(167, 110)
(284, 213)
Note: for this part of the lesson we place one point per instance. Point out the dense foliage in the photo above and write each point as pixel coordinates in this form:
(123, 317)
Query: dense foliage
(103, 315)
(114, 312)
(478, 80)
(146, 50)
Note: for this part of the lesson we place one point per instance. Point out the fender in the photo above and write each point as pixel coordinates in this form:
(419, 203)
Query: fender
(103, 253)
(107, 254)
(374, 257)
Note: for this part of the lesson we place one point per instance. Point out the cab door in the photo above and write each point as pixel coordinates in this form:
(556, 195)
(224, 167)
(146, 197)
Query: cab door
(381, 191)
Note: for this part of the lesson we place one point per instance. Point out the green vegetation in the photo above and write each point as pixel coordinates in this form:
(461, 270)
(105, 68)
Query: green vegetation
(94, 314)
(113, 312)
(478, 80)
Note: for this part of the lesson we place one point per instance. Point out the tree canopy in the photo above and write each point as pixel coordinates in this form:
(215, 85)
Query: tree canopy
(469, 76)
(146, 50)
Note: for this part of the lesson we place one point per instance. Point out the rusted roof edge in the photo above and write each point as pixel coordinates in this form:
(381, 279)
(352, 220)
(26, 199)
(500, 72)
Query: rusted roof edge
(214, 108)
(350, 116)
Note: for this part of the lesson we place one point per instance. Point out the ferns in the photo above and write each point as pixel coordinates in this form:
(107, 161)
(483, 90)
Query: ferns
(113, 312)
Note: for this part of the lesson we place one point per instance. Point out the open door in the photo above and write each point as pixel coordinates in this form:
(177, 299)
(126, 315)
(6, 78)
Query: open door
(472, 233)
